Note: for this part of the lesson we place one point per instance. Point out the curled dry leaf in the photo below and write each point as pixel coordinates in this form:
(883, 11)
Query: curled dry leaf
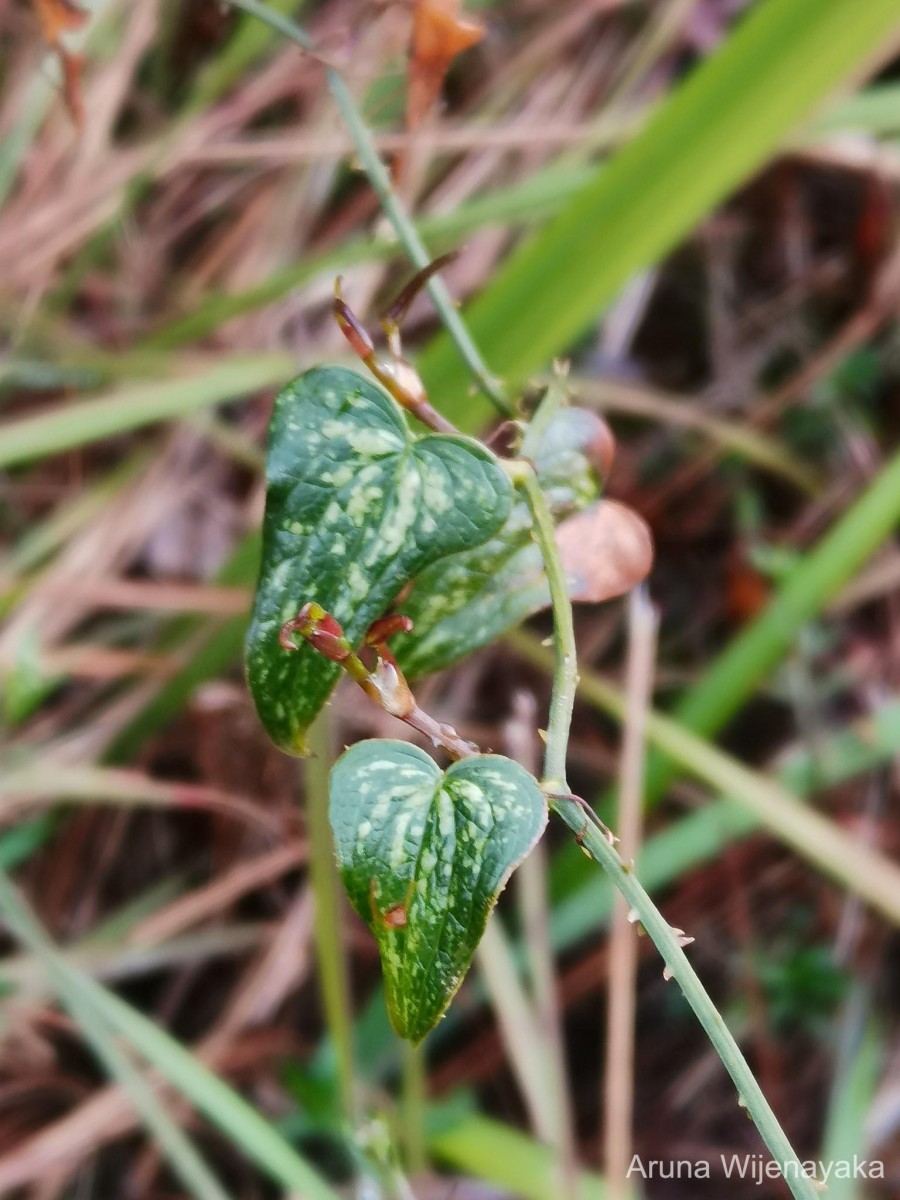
(606, 550)
(439, 34)
(72, 69)
(58, 17)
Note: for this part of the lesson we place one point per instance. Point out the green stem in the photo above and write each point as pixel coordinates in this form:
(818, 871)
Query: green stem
(379, 178)
(666, 941)
(414, 1100)
(860, 869)
(599, 848)
(565, 678)
(330, 957)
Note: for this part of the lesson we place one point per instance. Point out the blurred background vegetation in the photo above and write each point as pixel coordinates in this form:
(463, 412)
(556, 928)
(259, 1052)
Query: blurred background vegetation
(692, 201)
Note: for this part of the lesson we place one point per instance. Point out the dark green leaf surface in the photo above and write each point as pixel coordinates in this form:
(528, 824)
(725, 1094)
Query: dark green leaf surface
(465, 601)
(424, 855)
(356, 506)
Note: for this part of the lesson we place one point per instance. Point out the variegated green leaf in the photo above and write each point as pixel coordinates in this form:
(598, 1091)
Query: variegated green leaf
(465, 601)
(356, 506)
(424, 854)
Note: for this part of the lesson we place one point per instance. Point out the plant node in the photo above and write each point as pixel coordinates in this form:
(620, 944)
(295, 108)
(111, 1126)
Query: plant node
(382, 681)
(394, 373)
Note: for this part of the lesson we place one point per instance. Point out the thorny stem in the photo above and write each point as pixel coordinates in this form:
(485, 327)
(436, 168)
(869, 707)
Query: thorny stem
(377, 174)
(666, 940)
(598, 846)
(565, 678)
(385, 684)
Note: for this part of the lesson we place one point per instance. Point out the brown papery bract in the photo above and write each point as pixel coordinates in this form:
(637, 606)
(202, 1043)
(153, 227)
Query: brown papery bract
(439, 35)
(58, 17)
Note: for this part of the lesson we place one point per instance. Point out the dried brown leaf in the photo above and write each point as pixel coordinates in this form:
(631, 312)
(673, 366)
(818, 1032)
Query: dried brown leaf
(439, 34)
(72, 70)
(606, 550)
(58, 17)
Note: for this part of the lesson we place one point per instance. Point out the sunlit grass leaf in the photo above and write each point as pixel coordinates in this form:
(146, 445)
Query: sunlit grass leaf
(784, 58)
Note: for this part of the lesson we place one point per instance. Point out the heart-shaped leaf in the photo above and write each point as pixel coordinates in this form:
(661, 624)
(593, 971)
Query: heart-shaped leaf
(467, 600)
(424, 854)
(356, 506)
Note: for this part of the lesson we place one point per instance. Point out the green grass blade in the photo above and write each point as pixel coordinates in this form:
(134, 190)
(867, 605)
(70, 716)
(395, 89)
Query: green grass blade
(221, 1105)
(756, 652)
(20, 843)
(532, 200)
(613, 398)
(506, 1158)
(72, 989)
(816, 579)
(212, 651)
(875, 111)
(782, 60)
(250, 1132)
(42, 538)
(133, 406)
(702, 835)
(845, 1128)
(249, 42)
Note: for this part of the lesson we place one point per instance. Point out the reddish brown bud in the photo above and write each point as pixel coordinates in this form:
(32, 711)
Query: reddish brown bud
(320, 629)
(352, 329)
(331, 647)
